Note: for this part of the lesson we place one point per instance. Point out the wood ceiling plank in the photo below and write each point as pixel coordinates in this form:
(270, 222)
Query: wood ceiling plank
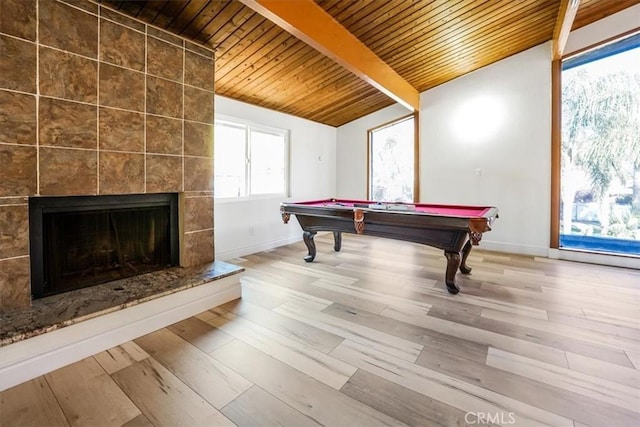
(203, 18)
(258, 45)
(594, 10)
(243, 38)
(310, 23)
(167, 12)
(514, 43)
(470, 21)
(429, 28)
(262, 72)
(566, 14)
(233, 15)
(258, 65)
(236, 34)
(468, 37)
(186, 16)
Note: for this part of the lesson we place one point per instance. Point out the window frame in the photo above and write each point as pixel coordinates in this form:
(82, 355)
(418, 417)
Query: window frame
(556, 132)
(250, 126)
(416, 150)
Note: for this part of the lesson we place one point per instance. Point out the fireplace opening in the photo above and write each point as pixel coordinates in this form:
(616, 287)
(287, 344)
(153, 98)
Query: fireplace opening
(82, 241)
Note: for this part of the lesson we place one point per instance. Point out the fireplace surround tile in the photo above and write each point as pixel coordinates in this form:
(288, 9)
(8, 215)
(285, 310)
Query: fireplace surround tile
(198, 174)
(18, 18)
(121, 88)
(164, 59)
(68, 172)
(198, 213)
(14, 234)
(15, 283)
(121, 173)
(18, 170)
(164, 173)
(17, 64)
(67, 76)
(68, 28)
(164, 135)
(198, 105)
(121, 46)
(198, 139)
(67, 124)
(198, 71)
(198, 248)
(164, 97)
(121, 130)
(18, 118)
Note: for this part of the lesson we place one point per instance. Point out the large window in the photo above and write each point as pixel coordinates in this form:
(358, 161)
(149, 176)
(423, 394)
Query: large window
(600, 151)
(392, 161)
(250, 160)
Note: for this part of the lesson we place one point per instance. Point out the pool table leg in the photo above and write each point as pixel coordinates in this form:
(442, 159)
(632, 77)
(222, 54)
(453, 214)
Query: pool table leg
(308, 236)
(453, 262)
(464, 268)
(337, 241)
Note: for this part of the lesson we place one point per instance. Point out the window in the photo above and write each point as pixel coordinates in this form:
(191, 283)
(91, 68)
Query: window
(600, 149)
(392, 166)
(250, 160)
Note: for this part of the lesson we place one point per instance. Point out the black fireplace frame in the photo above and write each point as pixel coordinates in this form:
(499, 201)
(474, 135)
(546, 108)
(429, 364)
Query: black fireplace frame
(39, 206)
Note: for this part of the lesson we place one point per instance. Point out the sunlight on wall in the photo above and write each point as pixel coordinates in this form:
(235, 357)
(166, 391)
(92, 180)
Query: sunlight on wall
(478, 119)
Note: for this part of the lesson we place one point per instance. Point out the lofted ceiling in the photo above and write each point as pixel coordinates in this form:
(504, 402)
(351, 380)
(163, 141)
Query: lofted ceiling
(427, 42)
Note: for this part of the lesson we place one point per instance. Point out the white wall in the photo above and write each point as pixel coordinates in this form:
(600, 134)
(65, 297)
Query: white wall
(485, 139)
(250, 225)
(459, 165)
(604, 29)
(351, 149)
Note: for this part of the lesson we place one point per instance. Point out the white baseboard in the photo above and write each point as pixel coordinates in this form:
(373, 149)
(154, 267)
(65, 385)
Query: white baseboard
(514, 248)
(30, 358)
(226, 255)
(593, 258)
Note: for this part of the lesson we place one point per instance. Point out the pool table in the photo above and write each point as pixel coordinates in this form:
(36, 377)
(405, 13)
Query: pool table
(453, 229)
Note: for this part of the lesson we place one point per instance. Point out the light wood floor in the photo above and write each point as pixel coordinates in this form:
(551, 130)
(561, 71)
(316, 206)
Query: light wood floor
(367, 337)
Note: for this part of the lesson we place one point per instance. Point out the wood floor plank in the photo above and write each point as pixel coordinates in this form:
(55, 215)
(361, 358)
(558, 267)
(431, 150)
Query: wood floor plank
(285, 294)
(596, 388)
(635, 358)
(529, 390)
(569, 331)
(298, 331)
(481, 336)
(213, 381)
(456, 393)
(120, 357)
(314, 363)
(88, 396)
(549, 339)
(401, 403)
(604, 370)
(201, 334)
(428, 338)
(164, 399)
(594, 325)
(139, 421)
(31, 404)
(321, 403)
(257, 408)
(369, 337)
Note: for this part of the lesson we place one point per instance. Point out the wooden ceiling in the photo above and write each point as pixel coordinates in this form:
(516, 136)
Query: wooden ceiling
(427, 42)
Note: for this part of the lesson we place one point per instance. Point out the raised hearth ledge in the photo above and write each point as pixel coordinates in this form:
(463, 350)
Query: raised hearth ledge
(65, 328)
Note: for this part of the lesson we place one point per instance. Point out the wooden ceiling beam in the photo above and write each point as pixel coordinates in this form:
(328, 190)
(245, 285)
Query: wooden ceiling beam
(564, 22)
(311, 24)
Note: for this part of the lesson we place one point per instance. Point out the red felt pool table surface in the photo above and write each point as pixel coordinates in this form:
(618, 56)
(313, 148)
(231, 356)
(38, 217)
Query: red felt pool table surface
(444, 210)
